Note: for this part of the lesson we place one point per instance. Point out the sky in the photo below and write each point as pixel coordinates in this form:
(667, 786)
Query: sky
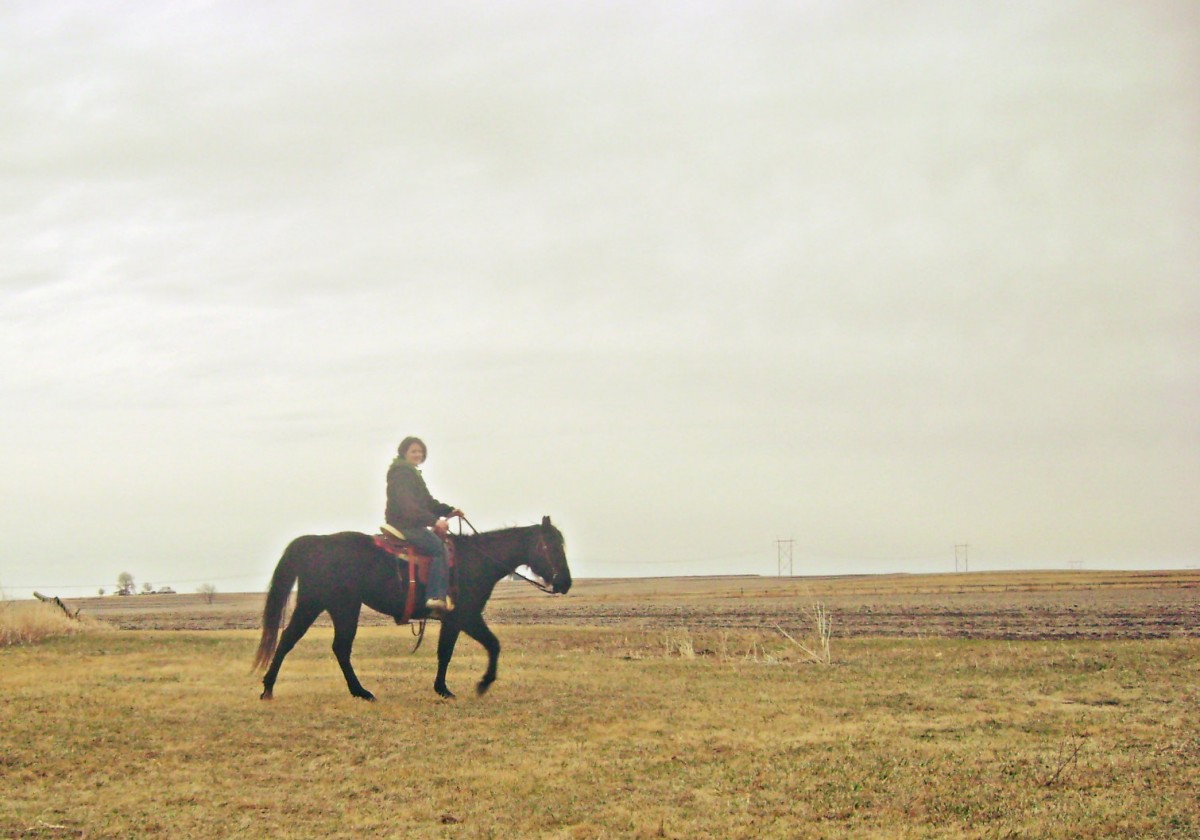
(708, 283)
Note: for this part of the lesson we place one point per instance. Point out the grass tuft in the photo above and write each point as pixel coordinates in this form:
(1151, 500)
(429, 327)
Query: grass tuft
(818, 617)
(30, 622)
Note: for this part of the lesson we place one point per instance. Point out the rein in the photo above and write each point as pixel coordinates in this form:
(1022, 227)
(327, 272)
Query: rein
(541, 547)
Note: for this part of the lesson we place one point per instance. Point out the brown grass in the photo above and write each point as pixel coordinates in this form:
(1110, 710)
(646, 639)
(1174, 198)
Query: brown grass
(603, 732)
(30, 622)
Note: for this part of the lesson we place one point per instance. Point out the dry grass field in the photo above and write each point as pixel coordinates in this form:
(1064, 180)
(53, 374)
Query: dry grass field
(1060, 705)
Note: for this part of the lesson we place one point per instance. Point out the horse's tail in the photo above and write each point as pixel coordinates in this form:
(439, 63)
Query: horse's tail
(277, 597)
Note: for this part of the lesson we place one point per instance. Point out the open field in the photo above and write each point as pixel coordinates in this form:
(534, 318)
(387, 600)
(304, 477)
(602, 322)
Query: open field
(1001, 605)
(622, 714)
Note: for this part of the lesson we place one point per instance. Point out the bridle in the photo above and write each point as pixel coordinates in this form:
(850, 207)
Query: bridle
(542, 549)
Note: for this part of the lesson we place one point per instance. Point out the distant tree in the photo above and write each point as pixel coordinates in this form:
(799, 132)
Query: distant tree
(208, 591)
(101, 591)
(124, 584)
(148, 588)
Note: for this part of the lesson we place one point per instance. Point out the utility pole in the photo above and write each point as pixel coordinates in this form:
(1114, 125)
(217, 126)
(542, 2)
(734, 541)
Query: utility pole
(960, 558)
(783, 553)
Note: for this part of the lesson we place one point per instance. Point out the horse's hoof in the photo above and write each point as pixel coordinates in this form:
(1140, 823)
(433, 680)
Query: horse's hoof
(266, 695)
(483, 686)
(366, 695)
(445, 693)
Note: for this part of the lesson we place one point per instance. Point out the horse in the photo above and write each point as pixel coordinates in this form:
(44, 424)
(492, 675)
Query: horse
(339, 573)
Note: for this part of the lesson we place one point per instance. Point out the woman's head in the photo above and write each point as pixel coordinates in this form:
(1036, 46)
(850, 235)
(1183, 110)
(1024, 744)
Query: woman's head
(416, 447)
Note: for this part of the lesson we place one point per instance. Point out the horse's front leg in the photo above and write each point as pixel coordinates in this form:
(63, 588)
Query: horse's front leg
(478, 630)
(447, 638)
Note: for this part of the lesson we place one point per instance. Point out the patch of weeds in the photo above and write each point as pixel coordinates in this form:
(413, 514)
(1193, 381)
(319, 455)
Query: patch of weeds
(1064, 763)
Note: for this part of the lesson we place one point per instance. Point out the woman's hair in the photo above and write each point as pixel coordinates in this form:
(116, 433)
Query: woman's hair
(409, 441)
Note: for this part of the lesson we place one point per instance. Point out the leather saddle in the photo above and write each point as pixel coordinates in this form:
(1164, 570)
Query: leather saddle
(393, 541)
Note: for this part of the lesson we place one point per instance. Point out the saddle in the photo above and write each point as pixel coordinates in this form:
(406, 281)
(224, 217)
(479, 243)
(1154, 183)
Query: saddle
(394, 543)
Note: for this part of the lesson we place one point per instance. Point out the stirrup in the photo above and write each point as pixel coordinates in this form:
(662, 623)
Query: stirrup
(441, 605)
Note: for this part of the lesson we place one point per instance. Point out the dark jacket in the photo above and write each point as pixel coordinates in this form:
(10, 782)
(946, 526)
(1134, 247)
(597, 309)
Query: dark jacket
(409, 504)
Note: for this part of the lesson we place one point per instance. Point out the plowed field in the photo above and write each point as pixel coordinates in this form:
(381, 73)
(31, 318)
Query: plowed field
(1010, 605)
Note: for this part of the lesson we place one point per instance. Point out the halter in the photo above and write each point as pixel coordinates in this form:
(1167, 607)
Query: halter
(542, 549)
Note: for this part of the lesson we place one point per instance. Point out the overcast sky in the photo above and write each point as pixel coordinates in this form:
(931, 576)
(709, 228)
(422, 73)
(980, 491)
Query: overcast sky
(690, 277)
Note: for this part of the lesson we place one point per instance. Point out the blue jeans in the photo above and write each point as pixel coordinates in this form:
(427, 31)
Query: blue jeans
(427, 542)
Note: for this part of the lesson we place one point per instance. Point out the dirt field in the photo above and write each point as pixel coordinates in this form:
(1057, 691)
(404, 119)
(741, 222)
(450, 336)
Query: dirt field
(1011, 605)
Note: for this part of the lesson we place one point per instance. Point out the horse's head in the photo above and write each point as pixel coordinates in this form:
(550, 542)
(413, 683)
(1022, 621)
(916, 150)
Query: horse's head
(547, 557)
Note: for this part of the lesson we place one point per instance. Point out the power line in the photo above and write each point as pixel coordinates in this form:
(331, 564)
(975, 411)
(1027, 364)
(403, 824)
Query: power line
(720, 559)
(167, 578)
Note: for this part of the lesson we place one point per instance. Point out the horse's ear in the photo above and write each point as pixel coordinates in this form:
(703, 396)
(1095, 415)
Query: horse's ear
(545, 521)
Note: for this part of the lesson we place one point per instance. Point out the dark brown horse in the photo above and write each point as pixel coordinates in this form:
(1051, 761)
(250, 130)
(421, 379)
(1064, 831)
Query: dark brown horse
(341, 572)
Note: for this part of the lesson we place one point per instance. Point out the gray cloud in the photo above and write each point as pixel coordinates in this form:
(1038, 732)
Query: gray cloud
(688, 277)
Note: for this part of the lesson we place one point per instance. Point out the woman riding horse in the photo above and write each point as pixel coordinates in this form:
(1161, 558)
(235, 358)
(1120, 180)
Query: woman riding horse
(339, 573)
(413, 511)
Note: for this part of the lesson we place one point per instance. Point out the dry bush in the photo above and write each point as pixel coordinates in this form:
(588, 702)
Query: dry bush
(678, 642)
(818, 618)
(30, 622)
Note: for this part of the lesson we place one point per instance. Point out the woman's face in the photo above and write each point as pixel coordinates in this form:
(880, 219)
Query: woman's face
(415, 454)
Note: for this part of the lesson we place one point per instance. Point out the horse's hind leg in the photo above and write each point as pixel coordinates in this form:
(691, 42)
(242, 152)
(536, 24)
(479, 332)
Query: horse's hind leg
(345, 628)
(478, 630)
(306, 613)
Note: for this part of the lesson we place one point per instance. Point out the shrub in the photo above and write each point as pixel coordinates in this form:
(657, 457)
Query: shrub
(821, 622)
(29, 622)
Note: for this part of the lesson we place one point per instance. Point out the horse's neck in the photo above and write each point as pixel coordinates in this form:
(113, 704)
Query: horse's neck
(500, 551)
